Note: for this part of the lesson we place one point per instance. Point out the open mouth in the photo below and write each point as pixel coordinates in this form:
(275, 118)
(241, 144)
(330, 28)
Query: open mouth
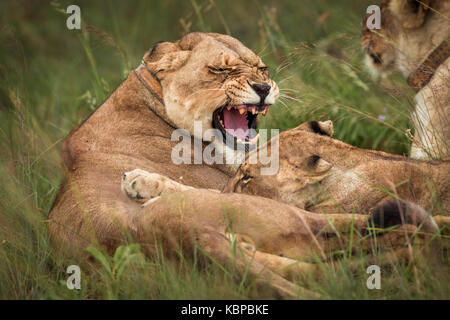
(238, 123)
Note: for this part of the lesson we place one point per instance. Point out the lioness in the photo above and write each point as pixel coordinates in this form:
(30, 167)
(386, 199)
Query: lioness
(205, 77)
(414, 38)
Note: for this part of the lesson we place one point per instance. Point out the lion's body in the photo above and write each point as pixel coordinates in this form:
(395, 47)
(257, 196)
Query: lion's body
(132, 129)
(409, 34)
(121, 135)
(431, 117)
(350, 179)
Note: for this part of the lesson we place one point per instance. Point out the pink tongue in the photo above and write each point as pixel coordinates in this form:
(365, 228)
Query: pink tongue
(235, 123)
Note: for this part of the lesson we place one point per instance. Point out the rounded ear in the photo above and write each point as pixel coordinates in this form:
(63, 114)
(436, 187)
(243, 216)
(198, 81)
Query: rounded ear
(165, 56)
(324, 128)
(411, 13)
(322, 166)
(318, 165)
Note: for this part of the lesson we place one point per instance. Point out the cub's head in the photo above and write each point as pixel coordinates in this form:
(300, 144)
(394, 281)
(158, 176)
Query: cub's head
(214, 79)
(410, 30)
(300, 166)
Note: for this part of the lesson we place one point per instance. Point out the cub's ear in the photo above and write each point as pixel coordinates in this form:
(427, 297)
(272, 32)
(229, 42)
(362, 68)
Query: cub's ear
(165, 56)
(318, 165)
(411, 13)
(324, 128)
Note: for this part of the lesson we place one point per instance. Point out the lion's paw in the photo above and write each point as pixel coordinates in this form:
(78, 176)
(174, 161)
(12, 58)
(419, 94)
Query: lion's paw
(141, 185)
(146, 187)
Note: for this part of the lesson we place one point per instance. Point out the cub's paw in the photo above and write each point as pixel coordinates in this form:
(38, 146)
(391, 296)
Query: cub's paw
(142, 186)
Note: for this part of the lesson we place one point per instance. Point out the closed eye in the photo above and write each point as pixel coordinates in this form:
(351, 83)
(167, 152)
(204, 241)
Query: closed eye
(219, 69)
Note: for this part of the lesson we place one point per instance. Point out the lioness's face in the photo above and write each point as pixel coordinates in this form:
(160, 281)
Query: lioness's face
(216, 80)
(380, 52)
(399, 42)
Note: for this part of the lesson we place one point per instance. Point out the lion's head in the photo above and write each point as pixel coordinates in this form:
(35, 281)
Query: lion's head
(300, 167)
(410, 30)
(214, 79)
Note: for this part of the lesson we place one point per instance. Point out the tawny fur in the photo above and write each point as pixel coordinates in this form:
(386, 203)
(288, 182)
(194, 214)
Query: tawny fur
(409, 33)
(324, 175)
(132, 129)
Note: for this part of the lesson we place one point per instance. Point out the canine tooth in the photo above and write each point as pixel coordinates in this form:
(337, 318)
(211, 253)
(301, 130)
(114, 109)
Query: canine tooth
(242, 111)
(265, 111)
(228, 108)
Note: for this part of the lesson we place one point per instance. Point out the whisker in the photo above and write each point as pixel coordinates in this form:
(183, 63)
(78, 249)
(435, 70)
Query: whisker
(286, 89)
(291, 98)
(284, 104)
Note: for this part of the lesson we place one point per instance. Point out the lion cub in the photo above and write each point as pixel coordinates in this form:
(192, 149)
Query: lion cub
(321, 174)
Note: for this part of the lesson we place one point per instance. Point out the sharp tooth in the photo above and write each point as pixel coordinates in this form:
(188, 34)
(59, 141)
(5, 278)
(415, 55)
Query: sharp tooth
(228, 108)
(242, 111)
(265, 111)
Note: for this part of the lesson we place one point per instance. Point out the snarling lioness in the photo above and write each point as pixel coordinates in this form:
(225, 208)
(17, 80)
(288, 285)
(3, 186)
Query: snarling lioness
(414, 38)
(216, 80)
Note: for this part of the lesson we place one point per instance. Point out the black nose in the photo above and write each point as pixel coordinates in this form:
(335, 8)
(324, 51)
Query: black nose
(262, 90)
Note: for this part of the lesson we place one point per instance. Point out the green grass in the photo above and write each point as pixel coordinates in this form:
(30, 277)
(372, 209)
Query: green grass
(52, 78)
